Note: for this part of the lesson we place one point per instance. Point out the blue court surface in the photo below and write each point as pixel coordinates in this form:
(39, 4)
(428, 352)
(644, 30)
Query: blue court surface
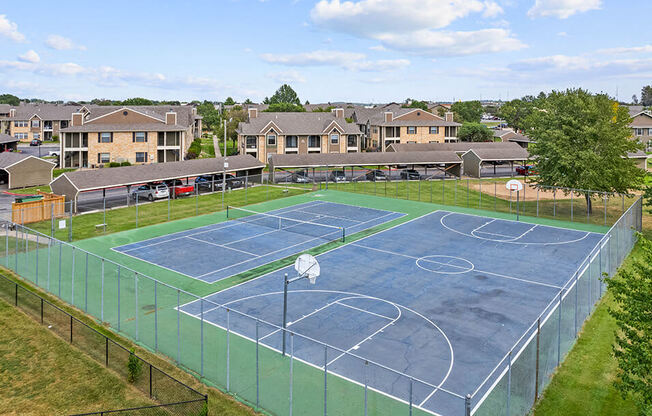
(441, 298)
(217, 251)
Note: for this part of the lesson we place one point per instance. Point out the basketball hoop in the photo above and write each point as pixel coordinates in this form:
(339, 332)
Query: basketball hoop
(307, 266)
(514, 185)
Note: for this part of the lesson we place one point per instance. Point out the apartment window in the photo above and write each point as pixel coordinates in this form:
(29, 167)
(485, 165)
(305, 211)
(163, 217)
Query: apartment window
(105, 138)
(20, 123)
(37, 135)
(36, 124)
(450, 131)
(375, 129)
(160, 139)
(103, 157)
(84, 140)
(411, 130)
(314, 141)
(141, 157)
(271, 139)
(352, 141)
(434, 130)
(64, 124)
(335, 138)
(638, 132)
(139, 137)
(291, 141)
(20, 136)
(251, 142)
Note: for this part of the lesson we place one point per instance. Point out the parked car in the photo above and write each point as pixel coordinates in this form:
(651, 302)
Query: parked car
(151, 191)
(526, 170)
(214, 182)
(338, 176)
(376, 175)
(300, 176)
(410, 174)
(232, 181)
(35, 142)
(178, 188)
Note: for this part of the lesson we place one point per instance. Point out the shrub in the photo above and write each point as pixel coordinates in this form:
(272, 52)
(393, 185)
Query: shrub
(134, 367)
(113, 164)
(125, 163)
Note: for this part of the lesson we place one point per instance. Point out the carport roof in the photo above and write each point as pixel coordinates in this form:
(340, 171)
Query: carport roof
(5, 138)
(362, 159)
(87, 180)
(8, 159)
(499, 154)
(455, 147)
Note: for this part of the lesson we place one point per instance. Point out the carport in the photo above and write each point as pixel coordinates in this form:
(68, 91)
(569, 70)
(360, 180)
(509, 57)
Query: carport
(19, 170)
(8, 143)
(474, 159)
(71, 184)
(441, 162)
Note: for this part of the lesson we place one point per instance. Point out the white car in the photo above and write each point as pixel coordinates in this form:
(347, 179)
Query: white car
(151, 192)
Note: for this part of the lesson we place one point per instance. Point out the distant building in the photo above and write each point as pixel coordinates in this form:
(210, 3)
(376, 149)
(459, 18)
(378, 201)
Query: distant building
(642, 128)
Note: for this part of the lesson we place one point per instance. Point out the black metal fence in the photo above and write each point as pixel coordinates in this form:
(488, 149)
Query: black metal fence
(175, 397)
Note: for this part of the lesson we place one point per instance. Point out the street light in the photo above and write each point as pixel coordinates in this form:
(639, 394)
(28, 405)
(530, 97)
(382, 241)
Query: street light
(308, 268)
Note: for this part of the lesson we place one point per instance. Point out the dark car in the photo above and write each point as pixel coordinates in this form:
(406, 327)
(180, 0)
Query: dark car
(410, 174)
(300, 177)
(214, 182)
(337, 176)
(376, 175)
(35, 142)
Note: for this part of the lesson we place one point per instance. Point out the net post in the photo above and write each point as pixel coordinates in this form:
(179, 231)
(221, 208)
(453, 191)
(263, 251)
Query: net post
(257, 365)
(536, 373)
(227, 211)
(343, 234)
(228, 350)
(467, 405)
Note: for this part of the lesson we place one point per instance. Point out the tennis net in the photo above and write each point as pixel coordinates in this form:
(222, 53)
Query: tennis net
(277, 222)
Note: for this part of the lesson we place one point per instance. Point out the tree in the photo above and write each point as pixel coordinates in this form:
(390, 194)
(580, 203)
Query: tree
(284, 108)
(647, 196)
(634, 99)
(646, 95)
(9, 99)
(468, 111)
(582, 141)
(631, 288)
(475, 132)
(286, 95)
(233, 118)
(211, 117)
(322, 109)
(248, 101)
(229, 101)
(137, 101)
(415, 104)
(515, 112)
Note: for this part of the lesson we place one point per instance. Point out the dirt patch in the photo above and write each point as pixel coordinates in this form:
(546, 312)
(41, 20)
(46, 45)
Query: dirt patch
(529, 191)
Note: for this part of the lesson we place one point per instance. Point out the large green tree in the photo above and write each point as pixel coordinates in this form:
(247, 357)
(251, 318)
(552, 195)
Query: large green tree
(415, 104)
(137, 101)
(468, 111)
(515, 112)
(211, 117)
(475, 132)
(9, 99)
(632, 291)
(285, 108)
(582, 141)
(646, 95)
(229, 101)
(284, 95)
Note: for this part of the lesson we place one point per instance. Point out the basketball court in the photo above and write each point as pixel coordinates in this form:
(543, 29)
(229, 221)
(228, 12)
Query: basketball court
(437, 300)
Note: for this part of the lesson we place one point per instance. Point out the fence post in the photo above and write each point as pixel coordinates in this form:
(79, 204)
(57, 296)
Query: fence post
(178, 326)
(604, 203)
(102, 291)
(201, 336)
(37, 250)
(106, 350)
(455, 199)
(52, 220)
(559, 329)
(495, 194)
(119, 269)
(16, 249)
(72, 276)
(228, 349)
(136, 209)
(104, 213)
(60, 250)
(536, 373)
(467, 193)
(577, 289)
(431, 183)
(443, 192)
(71, 329)
(196, 199)
(86, 285)
(70, 225)
(537, 202)
(571, 205)
(150, 381)
(49, 247)
(136, 299)
(16, 295)
(257, 365)
(480, 194)
(41, 311)
(509, 380)
(366, 385)
(291, 368)
(325, 380)
(554, 202)
(155, 315)
(410, 393)
(168, 206)
(467, 405)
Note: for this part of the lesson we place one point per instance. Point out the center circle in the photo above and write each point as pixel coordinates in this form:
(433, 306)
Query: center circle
(444, 264)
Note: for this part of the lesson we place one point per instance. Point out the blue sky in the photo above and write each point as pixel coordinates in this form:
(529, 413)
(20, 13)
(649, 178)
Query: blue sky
(328, 50)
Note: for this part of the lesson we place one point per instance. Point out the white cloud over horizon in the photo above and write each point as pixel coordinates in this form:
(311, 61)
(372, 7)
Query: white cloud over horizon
(562, 9)
(30, 56)
(9, 29)
(352, 61)
(61, 43)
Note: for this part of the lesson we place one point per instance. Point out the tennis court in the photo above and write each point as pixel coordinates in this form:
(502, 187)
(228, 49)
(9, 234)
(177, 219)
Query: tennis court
(252, 239)
(436, 301)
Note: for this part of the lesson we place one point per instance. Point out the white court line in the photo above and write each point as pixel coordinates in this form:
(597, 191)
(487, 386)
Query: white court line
(487, 232)
(441, 221)
(483, 225)
(325, 215)
(221, 246)
(363, 310)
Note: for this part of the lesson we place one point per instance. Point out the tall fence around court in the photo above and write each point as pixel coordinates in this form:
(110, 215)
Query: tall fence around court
(563, 204)
(231, 350)
(100, 215)
(175, 397)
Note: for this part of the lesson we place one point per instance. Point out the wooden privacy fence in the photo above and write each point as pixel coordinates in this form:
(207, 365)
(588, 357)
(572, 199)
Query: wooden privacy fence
(49, 206)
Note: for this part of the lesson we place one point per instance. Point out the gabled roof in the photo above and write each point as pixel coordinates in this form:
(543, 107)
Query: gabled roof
(8, 159)
(44, 111)
(362, 159)
(5, 138)
(455, 147)
(122, 127)
(296, 123)
(515, 152)
(146, 113)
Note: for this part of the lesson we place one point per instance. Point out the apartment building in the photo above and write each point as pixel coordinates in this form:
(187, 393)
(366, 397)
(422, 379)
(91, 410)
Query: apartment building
(393, 124)
(265, 134)
(642, 129)
(29, 121)
(98, 135)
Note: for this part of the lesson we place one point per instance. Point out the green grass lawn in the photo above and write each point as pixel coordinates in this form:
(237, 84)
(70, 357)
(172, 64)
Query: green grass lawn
(583, 385)
(43, 375)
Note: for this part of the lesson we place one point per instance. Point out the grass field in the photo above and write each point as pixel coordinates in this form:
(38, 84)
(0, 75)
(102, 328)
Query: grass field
(43, 375)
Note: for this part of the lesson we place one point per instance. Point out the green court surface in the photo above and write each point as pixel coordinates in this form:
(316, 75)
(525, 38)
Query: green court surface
(142, 300)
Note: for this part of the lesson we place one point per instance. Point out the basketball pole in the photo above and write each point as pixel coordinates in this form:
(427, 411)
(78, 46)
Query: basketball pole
(517, 201)
(285, 302)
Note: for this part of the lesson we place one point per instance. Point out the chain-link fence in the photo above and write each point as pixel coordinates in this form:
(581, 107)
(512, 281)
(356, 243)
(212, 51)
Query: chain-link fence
(177, 398)
(563, 204)
(96, 214)
(239, 353)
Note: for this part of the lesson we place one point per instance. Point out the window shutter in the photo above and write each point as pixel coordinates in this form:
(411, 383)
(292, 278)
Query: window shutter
(111, 137)
(146, 137)
(133, 137)
(99, 139)
(98, 158)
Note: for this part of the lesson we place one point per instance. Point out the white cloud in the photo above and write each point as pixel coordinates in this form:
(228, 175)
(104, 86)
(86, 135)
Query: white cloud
(30, 56)
(562, 9)
(314, 58)
(379, 48)
(453, 43)
(348, 60)
(416, 25)
(287, 77)
(60, 43)
(627, 50)
(562, 34)
(9, 29)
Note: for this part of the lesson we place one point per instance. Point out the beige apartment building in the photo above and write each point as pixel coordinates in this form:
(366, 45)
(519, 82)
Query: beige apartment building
(99, 135)
(642, 129)
(409, 125)
(30, 121)
(265, 134)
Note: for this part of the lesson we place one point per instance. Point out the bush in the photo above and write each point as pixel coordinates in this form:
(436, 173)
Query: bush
(191, 155)
(134, 367)
(125, 163)
(113, 164)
